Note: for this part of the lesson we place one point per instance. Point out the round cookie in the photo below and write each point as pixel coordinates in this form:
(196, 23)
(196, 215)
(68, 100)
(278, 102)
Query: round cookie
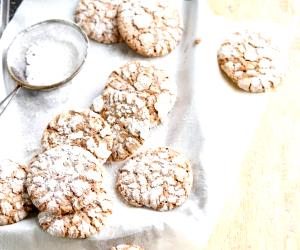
(151, 28)
(251, 61)
(64, 179)
(98, 19)
(149, 83)
(160, 179)
(86, 129)
(14, 201)
(127, 247)
(137, 97)
(80, 224)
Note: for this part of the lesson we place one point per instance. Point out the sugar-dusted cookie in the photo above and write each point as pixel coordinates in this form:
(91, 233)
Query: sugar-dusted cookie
(160, 179)
(150, 83)
(64, 179)
(14, 201)
(151, 28)
(127, 247)
(251, 61)
(80, 224)
(137, 97)
(129, 119)
(80, 128)
(98, 18)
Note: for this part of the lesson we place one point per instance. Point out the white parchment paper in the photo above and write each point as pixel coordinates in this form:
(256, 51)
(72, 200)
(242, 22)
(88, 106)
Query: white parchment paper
(212, 123)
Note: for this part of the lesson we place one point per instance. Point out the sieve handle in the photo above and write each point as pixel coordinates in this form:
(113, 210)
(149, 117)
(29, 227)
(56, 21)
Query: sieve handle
(7, 100)
(4, 7)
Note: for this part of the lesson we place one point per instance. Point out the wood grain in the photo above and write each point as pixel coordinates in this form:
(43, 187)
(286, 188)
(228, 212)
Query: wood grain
(264, 212)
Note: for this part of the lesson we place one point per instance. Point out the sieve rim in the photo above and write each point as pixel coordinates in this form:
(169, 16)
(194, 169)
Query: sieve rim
(26, 84)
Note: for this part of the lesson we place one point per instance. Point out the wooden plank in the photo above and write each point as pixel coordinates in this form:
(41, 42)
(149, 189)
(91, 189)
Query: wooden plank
(264, 212)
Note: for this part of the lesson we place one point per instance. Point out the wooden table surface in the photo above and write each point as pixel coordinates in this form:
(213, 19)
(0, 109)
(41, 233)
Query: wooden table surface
(264, 211)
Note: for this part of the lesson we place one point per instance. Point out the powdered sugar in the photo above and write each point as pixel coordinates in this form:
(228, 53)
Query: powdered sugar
(60, 178)
(151, 28)
(79, 224)
(98, 18)
(137, 97)
(49, 62)
(7, 168)
(80, 128)
(251, 60)
(160, 179)
(14, 201)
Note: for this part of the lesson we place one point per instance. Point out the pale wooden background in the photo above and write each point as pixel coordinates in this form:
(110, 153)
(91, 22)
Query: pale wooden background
(264, 212)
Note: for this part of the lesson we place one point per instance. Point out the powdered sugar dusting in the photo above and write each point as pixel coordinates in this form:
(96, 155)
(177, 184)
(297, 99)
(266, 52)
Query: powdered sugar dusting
(251, 61)
(80, 128)
(60, 178)
(151, 28)
(137, 97)
(14, 201)
(82, 223)
(98, 18)
(160, 179)
(49, 62)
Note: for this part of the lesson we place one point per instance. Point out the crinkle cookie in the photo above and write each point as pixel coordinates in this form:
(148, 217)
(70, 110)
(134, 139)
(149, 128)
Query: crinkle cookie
(80, 224)
(98, 18)
(64, 179)
(14, 201)
(129, 119)
(137, 97)
(160, 179)
(151, 28)
(251, 61)
(127, 247)
(149, 83)
(86, 129)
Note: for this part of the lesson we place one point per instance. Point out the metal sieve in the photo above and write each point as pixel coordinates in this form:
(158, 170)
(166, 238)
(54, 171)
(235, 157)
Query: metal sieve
(54, 29)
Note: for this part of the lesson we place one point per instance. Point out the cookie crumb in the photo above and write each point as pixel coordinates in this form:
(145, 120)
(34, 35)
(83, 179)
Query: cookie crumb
(197, 41)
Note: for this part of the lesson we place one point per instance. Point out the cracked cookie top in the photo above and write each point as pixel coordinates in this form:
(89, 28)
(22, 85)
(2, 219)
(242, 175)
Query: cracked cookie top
(86, 129)
(251, 61)
(151, 28)
(159, 178)
(98, 19)
(64, 179)
(79, 224)
(137, 97)
(14, 201)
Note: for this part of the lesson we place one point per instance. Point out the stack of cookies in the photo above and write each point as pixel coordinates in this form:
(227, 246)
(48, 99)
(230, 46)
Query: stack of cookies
(151, 28)
(65, 184)
(65, 181)
(136, 98)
